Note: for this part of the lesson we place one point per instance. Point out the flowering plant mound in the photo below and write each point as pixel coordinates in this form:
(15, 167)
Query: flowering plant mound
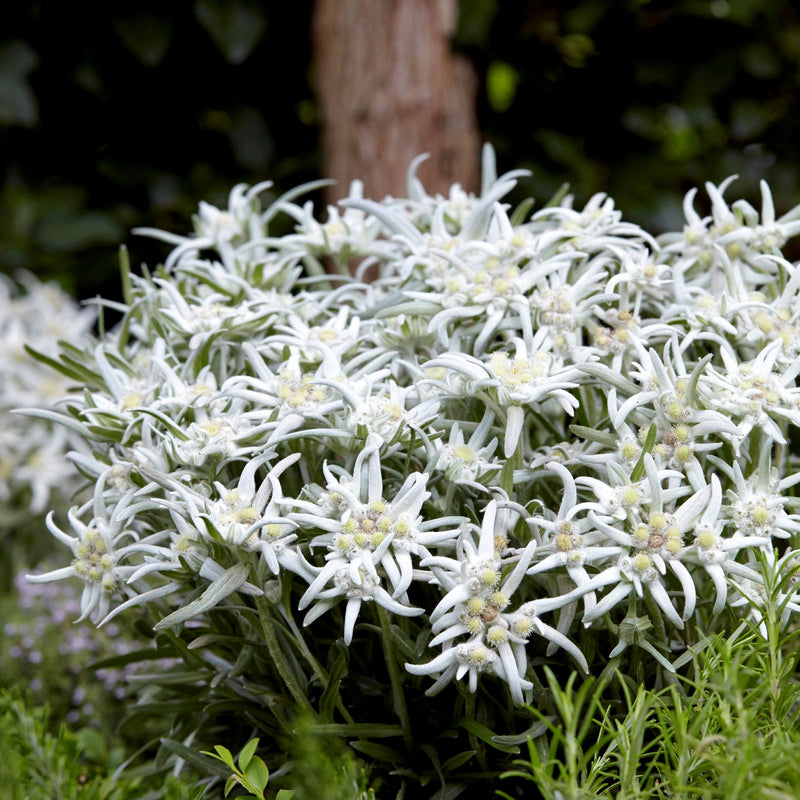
(535, 438)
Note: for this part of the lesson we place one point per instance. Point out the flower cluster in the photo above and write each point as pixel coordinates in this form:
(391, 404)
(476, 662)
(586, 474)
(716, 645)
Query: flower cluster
(34, 472)
(521, 415)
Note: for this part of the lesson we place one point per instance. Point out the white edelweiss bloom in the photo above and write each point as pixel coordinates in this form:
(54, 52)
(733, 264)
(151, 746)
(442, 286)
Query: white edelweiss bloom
(756, 504)
(653, 541)
(44, 468)
(757, 234)
(220, 229)
(481, 290)
(389, 412)
(224, 435)
(639, 272)
(476, 608)
(716, 553)
(624, 335)
(178, 393)
(99, 550)
(465, 463)
(683, 418)
(247, 517)
(460, 216)
(368, 538)
(533, 375)
(565, 305)
(283, 400)
(762, 323)
(340, 334)
(211, 316)
(596, 227)
(473, 607)
(724, 251)
(623, 446)
(755, 392)
(571, 543)
(132, 384)
(348, 235)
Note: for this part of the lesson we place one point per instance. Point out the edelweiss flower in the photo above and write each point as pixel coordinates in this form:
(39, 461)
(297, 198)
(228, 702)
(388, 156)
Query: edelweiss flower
(476, 607)
(653, 542)
(716, 553)
(98, 551)
(465, 462)
(755, 392)
(366, 532)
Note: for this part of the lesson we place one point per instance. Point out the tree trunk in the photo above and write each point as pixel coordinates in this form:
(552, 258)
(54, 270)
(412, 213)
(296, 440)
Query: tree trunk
(389, 88)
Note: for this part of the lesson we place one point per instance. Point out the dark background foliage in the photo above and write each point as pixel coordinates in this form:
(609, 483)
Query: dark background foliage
(114, 115)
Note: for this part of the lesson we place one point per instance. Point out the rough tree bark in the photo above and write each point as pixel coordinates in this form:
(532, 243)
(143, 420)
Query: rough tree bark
(389, 88)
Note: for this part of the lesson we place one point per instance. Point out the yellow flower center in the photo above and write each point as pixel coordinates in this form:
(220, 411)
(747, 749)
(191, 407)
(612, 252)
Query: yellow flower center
(641, 562)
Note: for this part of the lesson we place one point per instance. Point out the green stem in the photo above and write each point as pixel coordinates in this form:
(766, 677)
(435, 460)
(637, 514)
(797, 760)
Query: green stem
(278, 658)
(314, 664)
(474, 742)
(398, 696)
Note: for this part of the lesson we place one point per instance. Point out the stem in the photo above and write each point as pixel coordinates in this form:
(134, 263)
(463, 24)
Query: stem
(314, 664)
(398, 696)
(476, 744)
(278, 658)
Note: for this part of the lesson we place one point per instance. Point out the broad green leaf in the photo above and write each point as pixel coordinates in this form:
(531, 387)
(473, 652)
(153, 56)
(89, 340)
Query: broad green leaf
(257, 773)
(247, 753)
(225, 755)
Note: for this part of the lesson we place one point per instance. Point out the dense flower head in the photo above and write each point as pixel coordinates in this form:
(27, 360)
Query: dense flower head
(520, 414)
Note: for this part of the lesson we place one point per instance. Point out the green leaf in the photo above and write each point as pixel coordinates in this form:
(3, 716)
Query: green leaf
(232, 781)
(257, 773)
(458, 760)
(17, 101)
(247, 753)
(592, 435)
(218, 590)
(638, 470)
(204, 766)
(327, 702)
(609, 376)
(521, 211)
(537, 729)
(379, 752)
(146, 654)
(224, 755)
(558, 196)
(486, 735)
(146, 35)
(285, 794)
(368, 730)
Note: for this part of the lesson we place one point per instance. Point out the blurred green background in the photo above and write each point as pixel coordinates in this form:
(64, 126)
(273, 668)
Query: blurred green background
(114, 115)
